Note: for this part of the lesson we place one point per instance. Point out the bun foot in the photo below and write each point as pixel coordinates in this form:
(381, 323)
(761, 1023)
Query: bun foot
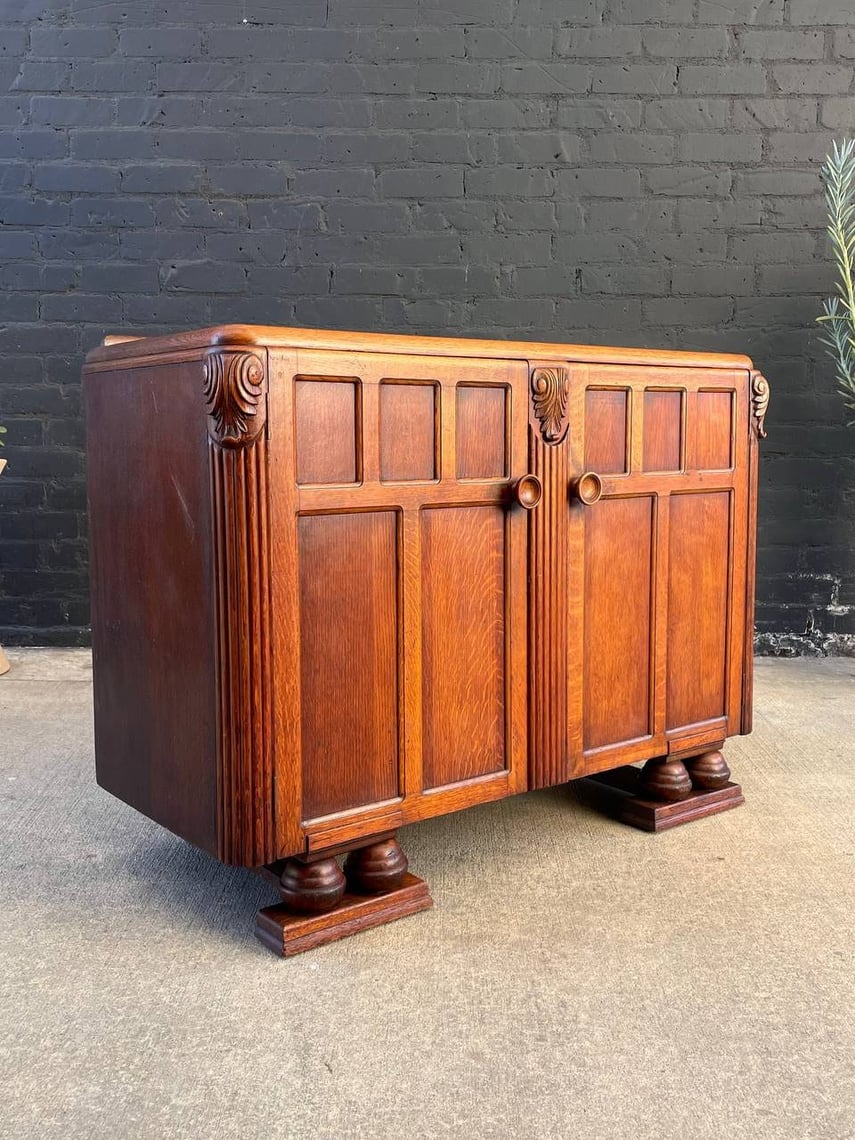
(378, 867)
(665, 779)
(381, 890)
(620, 794)
(311, 888)
(708, 771)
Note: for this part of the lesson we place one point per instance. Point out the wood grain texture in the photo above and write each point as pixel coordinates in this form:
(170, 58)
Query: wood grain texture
(408, 431)
(713, 431)
(328, 430)
(549, 606)
(434, 346)
(287, 934)
(697, 606)
(618, 583)
(618, 795)
(746, 719)
(348, 659)
(235, 385)
(152, 584)
(481, 432)
(663, 430)
(463, 640)
(606, 428)
(366, 626)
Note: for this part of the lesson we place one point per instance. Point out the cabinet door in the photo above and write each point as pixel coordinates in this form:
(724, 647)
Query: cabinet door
(645, 500)
(400, 553)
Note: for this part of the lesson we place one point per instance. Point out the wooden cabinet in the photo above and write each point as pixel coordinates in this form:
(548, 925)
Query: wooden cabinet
(342, 582)
(644, 608)
(399, 587)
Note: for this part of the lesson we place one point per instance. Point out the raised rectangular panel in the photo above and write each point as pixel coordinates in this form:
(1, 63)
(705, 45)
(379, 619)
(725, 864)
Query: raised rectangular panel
(713, 431)
(618, 572)
(482, 432)
(327, 429)
(606, 430)
(697, 606)
(663, 429)
(348, 576)
(408, 435)
(463, 643)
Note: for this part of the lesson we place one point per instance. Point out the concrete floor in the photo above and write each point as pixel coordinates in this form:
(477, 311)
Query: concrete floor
(576, 978)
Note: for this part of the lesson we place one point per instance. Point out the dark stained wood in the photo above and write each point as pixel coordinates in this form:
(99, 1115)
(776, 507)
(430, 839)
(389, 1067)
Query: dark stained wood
(463, 634)
(697, 607)
(606, 430)
(664, 778)
(235, 384)
(152, 588)
(618, 795)
(663, 430)
(348, 656)
(408, 431)
(709, 770)
(328, 430)
(344, 582)
(380, 866)
(311, 888)
(288, 934)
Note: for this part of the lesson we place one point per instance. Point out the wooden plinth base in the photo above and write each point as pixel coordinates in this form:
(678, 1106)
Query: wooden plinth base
(287, 934)
(616, 794)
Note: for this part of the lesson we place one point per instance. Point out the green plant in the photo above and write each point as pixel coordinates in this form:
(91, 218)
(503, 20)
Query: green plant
(838, 312)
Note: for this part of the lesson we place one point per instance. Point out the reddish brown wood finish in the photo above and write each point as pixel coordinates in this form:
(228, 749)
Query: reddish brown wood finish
(155, 659)
(380, 866)
(348, 656)
(619, 795)
(343, 582)
(287, 934)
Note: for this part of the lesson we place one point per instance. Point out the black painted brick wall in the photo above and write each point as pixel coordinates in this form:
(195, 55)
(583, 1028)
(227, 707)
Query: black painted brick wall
(617, 171)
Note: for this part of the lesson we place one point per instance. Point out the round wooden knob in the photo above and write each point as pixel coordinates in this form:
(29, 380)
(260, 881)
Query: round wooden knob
(587, 488)
(527, 491)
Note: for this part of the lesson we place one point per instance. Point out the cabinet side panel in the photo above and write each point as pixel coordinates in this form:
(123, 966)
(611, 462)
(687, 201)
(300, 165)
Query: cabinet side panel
(152, 619)
(697, 607)
(463, 638)
(348, 659)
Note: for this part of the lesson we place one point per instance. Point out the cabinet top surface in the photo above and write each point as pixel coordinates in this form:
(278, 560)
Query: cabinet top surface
(122, 348)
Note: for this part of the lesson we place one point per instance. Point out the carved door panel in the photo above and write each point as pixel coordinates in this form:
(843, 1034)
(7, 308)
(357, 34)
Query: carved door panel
(406, 561)
(639, 611)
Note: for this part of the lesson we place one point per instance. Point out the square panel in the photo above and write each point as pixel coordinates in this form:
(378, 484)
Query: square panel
(328, 435)
(408, 431)
(482, 431)
(606, 430)
(663, 429)
(713, 431)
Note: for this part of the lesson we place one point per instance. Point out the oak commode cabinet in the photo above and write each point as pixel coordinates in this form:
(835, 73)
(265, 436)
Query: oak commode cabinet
(342, 582)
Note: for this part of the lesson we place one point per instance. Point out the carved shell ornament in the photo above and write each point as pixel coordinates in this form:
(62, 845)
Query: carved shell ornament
(234, 384)
(759, 401)
(549, 396)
